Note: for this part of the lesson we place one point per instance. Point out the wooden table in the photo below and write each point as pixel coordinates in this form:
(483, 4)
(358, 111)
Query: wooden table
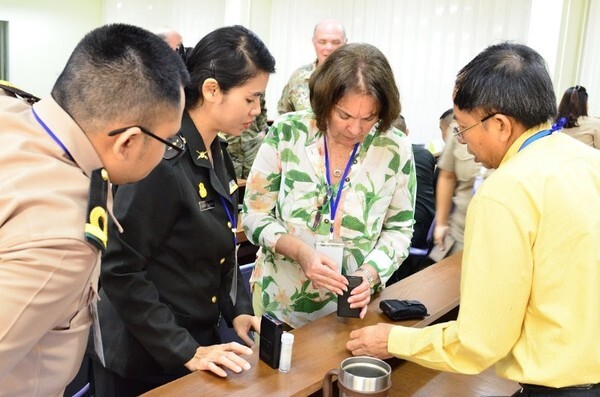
(320, 346)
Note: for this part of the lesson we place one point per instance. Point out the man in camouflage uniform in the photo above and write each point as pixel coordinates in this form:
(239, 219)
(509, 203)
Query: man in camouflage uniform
(328, 35)
(243, 148)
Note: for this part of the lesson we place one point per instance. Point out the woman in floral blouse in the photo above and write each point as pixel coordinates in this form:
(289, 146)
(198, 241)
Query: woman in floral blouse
(334, 181)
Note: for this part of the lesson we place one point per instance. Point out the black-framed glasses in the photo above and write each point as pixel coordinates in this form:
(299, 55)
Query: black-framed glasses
(459, 133)
(175, 145)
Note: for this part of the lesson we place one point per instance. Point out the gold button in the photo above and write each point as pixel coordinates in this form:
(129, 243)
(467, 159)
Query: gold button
(214, 299)
(229, 224)
(222, 261)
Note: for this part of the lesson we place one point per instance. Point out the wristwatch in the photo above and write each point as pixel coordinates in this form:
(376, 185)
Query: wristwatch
(369, 278)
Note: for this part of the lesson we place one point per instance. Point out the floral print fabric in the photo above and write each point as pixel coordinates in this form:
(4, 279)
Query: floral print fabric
(287, 189)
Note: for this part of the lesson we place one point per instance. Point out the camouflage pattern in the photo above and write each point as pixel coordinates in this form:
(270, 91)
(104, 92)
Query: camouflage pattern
(295, 95)
(242, 149)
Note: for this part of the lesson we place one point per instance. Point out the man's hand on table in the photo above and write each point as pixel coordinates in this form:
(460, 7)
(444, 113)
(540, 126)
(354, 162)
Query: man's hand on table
(370, 341)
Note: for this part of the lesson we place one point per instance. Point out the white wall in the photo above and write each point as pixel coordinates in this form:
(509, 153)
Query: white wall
(42, 35)
(589, 68)
(426, 41)
(192, 18)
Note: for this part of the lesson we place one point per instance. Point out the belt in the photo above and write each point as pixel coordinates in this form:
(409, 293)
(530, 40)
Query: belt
(587, 390)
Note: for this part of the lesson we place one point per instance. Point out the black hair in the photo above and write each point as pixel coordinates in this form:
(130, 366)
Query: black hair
(231, 55)
(447, 113)
(573, 105)
(120, 72)
(507, 78)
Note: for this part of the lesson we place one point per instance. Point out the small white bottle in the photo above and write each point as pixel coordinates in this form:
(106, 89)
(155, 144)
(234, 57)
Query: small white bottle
(285, 359)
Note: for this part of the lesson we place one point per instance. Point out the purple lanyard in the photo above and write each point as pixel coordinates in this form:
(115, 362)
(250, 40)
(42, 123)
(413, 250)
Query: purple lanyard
(52, 135)
(334, 201)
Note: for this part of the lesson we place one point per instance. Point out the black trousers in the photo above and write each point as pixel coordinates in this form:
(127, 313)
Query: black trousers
(542, 391)
(108, 384)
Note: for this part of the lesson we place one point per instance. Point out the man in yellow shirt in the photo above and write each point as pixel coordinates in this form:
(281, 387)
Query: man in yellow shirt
(530, 288)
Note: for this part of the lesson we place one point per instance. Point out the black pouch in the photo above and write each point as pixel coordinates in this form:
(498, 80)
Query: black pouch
(403, 310)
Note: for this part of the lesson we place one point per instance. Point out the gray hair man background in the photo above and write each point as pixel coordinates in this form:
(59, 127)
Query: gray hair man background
(328, 35)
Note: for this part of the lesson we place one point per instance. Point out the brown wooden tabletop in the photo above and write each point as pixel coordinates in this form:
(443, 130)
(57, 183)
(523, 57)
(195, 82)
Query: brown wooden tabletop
(320, 346)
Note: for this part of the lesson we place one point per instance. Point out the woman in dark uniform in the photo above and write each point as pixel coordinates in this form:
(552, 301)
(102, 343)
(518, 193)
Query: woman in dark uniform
(172, 274)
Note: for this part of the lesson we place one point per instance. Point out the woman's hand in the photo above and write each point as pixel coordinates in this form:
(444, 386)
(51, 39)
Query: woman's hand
(361, 295)
(216, 357)
(243, 324)
(322, 271)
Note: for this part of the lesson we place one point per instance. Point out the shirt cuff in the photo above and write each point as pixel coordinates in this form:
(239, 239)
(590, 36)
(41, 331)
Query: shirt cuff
(381, 262)
(270, 235)
(400, 341)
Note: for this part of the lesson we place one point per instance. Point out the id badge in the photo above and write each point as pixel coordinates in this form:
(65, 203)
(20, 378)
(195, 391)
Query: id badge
(333, 249)
(96, 331)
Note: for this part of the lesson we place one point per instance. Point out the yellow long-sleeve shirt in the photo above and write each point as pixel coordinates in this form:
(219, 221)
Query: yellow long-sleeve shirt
(530, 286)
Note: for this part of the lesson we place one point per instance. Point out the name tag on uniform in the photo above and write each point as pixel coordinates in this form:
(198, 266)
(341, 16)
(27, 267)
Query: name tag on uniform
(232, 186)
(206, 205)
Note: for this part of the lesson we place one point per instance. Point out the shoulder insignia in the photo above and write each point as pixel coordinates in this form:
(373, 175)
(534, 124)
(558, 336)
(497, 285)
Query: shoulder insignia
(8, 87)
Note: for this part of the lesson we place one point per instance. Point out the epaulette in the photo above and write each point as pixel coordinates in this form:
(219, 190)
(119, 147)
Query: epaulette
(8, 87)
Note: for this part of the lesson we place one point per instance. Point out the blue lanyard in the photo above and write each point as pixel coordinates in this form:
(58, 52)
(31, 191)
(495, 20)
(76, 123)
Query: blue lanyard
(334, 201)
(534, 138)
(559, 124)
(231, 218)
(52, 135)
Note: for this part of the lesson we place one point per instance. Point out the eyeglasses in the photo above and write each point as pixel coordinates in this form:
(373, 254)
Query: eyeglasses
(175, 145)
(459, 133)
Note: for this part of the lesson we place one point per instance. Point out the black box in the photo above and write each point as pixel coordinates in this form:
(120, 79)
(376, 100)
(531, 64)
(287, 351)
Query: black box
(343, 307)
(269, 350)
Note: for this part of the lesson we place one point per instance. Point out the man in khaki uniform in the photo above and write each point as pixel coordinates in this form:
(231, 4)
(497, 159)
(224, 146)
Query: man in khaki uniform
(328, 35)
(118, 100)
(459, 178)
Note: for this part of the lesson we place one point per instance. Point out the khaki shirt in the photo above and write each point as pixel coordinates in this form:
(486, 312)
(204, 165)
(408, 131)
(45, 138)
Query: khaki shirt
(588, 131)
(455, 158)
(48, 272)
